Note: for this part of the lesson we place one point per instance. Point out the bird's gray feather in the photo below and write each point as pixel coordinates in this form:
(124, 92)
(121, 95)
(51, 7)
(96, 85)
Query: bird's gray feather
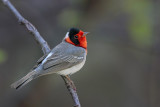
(63, 56)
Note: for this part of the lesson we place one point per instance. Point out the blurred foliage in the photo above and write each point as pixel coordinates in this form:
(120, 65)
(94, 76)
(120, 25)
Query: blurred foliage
(122, 67)
(68, 18)
(3, 56)
(140, 24)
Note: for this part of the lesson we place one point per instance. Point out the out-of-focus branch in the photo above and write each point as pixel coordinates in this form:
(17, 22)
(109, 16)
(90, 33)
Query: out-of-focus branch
(29, 26)
(72, 92)
(44, 45)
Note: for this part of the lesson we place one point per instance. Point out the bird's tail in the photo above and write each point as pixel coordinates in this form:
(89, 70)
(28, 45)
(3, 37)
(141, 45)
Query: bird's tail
(23, 81)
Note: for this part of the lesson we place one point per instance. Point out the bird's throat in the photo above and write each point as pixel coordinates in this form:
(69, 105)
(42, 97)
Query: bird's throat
(82, 42)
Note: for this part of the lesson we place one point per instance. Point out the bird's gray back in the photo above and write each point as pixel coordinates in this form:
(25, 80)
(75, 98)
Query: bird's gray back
(63, 56)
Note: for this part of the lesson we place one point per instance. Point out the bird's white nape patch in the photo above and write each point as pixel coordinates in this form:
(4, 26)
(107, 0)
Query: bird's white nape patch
(67, 35)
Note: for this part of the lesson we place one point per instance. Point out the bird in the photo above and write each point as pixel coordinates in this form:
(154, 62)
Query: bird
(65, 59)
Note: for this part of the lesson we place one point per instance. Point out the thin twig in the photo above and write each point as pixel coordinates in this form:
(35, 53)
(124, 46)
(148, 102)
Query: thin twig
(29, 26)
(72, 92)
(44, 45)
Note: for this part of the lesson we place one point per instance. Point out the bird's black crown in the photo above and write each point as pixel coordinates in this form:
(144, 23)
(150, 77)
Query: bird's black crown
(72, 32)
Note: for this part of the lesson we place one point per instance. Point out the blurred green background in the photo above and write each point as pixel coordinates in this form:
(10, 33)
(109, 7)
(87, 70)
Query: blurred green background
(123, 62)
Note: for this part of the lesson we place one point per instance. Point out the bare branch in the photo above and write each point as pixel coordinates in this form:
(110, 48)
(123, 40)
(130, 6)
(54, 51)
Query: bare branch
(44, 45)
(29, 26)
(72, 92)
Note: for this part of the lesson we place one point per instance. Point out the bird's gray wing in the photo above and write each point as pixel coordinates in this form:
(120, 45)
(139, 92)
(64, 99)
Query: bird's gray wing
(39, 61)
(62, 62)
(42, 58)
(63, 56)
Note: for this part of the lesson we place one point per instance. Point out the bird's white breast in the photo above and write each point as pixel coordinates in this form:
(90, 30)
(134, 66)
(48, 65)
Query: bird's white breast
(73, 69)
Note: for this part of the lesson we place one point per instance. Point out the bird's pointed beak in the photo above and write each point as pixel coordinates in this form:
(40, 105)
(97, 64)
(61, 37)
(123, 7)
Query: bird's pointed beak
(85, 33)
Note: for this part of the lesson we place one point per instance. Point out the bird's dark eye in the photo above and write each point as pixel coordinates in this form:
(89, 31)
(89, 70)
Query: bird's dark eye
(76, 37)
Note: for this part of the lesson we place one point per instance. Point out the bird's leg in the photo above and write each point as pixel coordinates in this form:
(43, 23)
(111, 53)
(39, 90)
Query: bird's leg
(70, 82)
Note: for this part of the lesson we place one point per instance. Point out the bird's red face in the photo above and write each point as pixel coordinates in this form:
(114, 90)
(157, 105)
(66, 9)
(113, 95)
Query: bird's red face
(77, 38)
